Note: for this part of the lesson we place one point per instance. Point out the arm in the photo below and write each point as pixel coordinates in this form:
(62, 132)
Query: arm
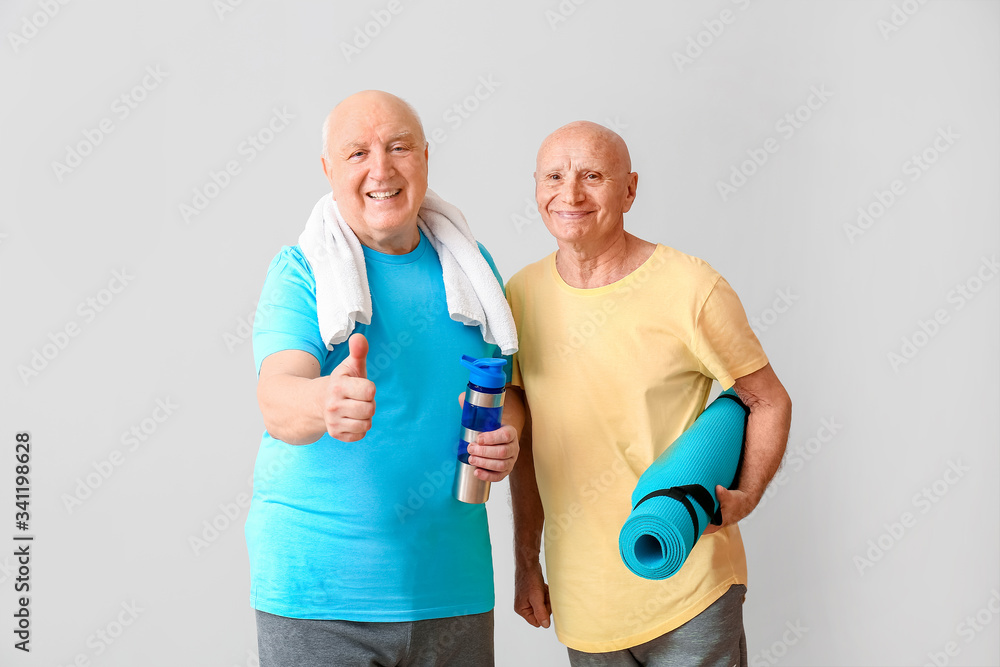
(299, 406)
(531, 593)
(767, 434)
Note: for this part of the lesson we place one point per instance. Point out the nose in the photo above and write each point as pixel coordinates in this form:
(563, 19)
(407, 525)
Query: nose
(572, 191)
(380, 166)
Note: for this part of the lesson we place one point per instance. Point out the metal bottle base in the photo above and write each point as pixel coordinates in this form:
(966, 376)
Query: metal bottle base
(469, 488)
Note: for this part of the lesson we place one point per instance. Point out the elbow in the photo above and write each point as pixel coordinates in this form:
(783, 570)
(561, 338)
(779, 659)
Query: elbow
(781, 401)
(272, 424)
(768, 404)
(274, 429)
(282, 432)
(784, 402)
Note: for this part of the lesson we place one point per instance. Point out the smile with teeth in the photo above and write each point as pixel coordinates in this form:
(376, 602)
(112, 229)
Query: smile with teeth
(385, 194)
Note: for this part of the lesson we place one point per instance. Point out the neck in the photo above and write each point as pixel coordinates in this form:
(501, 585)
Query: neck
(394, 244)
(587, 266)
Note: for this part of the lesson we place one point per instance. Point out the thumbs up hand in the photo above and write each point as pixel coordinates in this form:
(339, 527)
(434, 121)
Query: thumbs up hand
(349, 401)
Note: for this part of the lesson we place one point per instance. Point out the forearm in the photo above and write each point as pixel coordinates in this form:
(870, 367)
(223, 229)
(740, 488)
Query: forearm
(514, 410)
(767, 434)
(291, 407)
(529, 517)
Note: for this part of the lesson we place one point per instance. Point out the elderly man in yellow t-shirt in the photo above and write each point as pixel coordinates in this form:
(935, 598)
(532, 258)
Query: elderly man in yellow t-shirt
(620, 340)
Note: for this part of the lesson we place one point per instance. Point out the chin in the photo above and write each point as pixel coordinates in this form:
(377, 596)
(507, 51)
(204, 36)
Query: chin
(568, 232)
(396, 229)
(392, 222)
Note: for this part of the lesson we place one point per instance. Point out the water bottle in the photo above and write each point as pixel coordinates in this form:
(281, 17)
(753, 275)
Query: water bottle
(480, 414)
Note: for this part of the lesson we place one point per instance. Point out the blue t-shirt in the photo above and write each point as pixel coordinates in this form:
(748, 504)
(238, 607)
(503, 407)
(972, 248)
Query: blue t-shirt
(369, 530)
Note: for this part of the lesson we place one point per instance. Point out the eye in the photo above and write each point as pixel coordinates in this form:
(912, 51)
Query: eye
(357, 154)
(554, 177)
(400, 149)
(592, 177)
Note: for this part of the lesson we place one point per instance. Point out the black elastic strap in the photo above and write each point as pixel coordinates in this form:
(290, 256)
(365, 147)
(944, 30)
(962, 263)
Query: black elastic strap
(701, 495)
(680, 494)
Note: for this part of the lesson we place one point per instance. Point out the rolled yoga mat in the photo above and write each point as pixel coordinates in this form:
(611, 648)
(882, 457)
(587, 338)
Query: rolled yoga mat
(674, 500)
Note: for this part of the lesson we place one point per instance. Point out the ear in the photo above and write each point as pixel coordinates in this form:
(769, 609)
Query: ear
(633, 182)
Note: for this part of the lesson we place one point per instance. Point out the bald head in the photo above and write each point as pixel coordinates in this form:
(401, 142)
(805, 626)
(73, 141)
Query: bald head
(584, 185)
(593, 137)
(375, 159)
(362, 104)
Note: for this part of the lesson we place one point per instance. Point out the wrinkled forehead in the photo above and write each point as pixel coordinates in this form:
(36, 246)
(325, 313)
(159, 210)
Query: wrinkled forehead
(580, 153)
(360, 121)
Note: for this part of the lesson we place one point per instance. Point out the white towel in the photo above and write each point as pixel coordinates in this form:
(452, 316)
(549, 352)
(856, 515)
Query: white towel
(343, 297)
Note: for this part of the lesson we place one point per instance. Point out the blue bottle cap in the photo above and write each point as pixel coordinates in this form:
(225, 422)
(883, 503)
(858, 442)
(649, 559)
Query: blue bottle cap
(486, 373)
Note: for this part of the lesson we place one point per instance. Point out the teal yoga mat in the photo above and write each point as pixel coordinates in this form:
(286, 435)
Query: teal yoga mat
(674, 500)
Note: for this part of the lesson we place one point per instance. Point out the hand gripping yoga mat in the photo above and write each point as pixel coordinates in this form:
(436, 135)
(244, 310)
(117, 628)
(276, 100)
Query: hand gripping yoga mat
(665, 524)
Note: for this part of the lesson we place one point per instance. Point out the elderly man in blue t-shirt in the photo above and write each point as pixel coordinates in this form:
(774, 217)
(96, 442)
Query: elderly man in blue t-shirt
(359, 554)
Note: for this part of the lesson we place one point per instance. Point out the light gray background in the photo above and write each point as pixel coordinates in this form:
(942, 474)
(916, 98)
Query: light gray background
(177, 330)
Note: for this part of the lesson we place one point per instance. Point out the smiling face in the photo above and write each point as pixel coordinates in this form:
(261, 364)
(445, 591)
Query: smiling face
(376, 163)
(584, 184)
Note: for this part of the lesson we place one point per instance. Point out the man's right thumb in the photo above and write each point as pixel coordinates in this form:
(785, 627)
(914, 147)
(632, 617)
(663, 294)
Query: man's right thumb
(541, 613)
(355, 362)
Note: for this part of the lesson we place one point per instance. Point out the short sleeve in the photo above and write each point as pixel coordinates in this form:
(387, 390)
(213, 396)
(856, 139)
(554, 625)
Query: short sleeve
(512, 292)
(723, 340)
(514, 376)
(286, 312)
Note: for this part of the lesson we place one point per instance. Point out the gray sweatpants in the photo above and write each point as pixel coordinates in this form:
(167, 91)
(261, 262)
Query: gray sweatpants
(713, 638)
(458, 641)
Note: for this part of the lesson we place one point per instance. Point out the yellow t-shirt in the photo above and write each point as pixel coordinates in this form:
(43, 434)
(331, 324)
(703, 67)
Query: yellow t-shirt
(613, 375)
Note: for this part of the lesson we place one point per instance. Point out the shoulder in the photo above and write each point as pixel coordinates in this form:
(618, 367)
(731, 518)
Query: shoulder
(489, 260)
(681, 270)
(530, 274)
(675, 261)
(487, 256)
(291, 266)
(290, 258)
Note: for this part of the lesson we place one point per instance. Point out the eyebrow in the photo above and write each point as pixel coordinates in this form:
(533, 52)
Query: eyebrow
(354, 145)
(405, 134)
